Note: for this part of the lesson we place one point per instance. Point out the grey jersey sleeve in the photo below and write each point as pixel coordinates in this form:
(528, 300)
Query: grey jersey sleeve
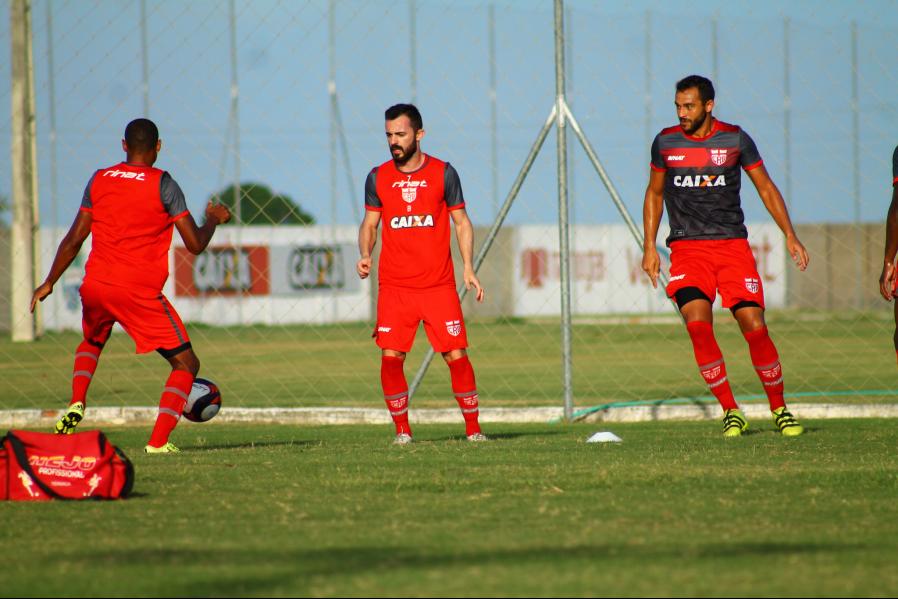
(172, 196)
(372, 201)
(452, 188)
(86, 202)
(749, 157)
(657, 159)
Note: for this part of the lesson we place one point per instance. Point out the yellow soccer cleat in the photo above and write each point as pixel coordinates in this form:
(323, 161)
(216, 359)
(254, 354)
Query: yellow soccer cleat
(787, 423)
(66, 425)
(734, 423)
(167, 448)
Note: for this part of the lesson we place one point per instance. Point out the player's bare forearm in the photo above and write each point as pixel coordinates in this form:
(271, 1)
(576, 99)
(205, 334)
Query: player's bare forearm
(887, 277)
(464, 232)
(66, 252)
(196, 239)
(776, 206)
(892, 228)
(367, 241)
(652, 209)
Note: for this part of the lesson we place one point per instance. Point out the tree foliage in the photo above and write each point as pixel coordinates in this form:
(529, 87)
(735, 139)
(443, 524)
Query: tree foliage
(259, 205)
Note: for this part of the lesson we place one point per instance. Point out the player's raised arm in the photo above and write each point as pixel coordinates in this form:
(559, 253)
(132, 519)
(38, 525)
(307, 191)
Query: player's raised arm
(464, 231)
(68, 249)
(776, 206)
(652, 209)
(197, 238)
(367, 239)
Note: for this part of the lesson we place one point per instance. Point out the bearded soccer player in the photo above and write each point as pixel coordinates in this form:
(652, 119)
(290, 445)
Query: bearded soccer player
(888, 280)
(415, 195)
(130, 208)
(695, 172)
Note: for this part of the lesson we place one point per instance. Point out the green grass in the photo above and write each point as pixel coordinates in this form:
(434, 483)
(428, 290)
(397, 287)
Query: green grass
(517, 363)
(673, 510)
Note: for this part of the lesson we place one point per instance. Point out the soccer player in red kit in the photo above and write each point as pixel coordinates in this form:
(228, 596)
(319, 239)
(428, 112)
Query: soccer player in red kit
(888, 280)
(415, 195)
(696, 172)
(130, 209)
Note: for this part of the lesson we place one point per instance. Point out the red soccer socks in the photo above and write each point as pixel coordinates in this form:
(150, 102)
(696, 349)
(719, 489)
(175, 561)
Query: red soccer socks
(392, 379)
(174, 396)
(766, 361)
(87, 357)
(465, 389)
(710, 363)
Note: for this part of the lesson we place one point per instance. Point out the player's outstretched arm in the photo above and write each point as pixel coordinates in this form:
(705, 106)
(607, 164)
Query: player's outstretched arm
(197, 238)
(776, 206)
(367, 239)
(652, 209)
(68, 249)
(889, 272)
(464, 231)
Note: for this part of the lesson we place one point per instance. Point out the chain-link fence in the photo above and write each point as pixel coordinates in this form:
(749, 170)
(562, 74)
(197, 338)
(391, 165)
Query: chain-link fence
(281, 104)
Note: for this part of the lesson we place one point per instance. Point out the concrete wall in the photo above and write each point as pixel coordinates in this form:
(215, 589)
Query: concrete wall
(837, 277)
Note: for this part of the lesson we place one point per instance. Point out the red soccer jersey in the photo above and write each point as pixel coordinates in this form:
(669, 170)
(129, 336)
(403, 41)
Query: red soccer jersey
(133, 209)
(415, 214)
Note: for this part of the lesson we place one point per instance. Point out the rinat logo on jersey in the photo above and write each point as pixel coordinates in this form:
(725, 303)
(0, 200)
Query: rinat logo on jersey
(699, 181)
(412, 220)
(125, 175)
(409, 188)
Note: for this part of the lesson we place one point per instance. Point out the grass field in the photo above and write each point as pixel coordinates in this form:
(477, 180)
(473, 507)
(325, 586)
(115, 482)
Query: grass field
(673, 510)
(517, 364)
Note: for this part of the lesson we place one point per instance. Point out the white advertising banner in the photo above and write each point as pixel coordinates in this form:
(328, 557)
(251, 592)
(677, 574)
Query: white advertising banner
(249, 275)
(606, 270)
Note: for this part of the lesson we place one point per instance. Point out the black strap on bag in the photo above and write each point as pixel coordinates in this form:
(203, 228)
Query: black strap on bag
(18, 450)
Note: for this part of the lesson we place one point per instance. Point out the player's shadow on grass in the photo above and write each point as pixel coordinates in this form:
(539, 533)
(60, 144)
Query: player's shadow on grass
(250, 445)
(497, 436)
(294, 569)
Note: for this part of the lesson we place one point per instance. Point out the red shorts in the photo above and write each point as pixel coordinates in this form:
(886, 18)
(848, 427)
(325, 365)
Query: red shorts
(399, 311)
(145, 315)
(710, 265)
(895, 288)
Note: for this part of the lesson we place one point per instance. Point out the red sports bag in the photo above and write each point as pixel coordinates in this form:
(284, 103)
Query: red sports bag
(43, 466)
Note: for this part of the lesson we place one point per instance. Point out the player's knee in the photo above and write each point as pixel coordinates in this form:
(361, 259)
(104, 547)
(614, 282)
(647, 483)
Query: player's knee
(187, 361)
(453, 354)
(392, 353)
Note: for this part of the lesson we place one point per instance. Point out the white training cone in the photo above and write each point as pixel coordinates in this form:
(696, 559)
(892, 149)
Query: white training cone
(604, 437)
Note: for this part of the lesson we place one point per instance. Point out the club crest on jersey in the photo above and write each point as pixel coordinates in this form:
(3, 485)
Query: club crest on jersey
(412, 220)
(752, 285)
(409, 188)
(453, 327)
(719, 156)
(700, 180)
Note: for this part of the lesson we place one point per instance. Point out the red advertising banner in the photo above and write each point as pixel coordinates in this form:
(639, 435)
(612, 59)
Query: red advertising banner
(224, 270)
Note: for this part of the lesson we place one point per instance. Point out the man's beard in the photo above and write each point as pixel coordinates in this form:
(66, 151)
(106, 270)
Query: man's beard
(695, 124)
(406, 153)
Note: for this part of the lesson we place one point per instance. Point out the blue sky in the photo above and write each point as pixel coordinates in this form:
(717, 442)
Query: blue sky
(284, 104)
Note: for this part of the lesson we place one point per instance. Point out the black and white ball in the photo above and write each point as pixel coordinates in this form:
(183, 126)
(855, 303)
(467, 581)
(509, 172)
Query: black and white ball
(203, 402)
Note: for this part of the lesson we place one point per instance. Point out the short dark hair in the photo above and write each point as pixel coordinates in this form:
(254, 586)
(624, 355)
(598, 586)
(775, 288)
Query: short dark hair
(409, 110)
(141, 135)
(704, 85)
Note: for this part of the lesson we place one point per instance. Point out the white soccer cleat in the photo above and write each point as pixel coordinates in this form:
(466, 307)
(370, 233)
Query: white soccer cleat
(402, 439)
(477, 437)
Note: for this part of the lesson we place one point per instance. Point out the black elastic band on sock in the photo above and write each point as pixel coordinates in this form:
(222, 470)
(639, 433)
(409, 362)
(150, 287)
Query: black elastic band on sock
(744, 304)
(170, 353)
(688, 294)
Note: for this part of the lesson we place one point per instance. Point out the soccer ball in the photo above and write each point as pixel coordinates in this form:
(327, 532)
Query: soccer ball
(203, 402)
